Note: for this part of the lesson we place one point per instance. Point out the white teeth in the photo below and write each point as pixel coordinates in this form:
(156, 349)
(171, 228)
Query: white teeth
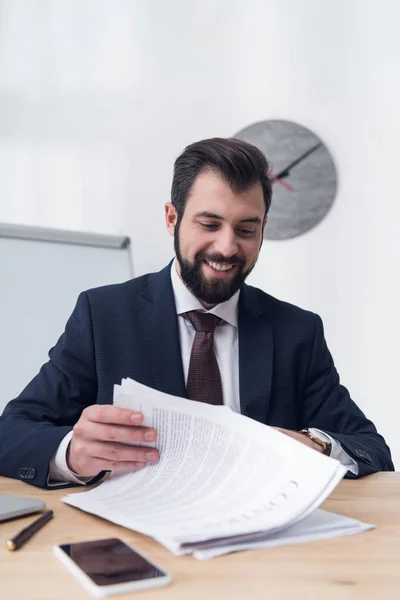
(220, 266)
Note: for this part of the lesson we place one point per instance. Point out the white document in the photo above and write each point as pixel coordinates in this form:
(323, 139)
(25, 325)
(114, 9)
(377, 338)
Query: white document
(221, 478)
(319, 525)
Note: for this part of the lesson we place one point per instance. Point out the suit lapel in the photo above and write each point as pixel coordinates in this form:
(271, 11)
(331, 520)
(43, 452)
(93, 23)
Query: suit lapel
(255, 356)
(161, 334)
(160, 331)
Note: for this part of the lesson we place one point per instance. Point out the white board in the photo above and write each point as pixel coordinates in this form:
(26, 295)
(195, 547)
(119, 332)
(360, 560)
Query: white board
(42, 272)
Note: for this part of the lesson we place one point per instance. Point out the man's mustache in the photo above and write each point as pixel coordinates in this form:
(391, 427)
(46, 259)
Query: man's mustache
(220, 258)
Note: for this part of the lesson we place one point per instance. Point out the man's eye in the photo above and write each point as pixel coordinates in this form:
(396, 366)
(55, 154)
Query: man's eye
(209, 225)
(246, 232)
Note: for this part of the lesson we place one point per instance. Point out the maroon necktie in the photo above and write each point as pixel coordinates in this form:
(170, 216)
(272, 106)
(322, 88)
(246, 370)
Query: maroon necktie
(204, 380)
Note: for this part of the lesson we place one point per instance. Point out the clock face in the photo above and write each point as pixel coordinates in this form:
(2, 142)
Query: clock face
(303, 175)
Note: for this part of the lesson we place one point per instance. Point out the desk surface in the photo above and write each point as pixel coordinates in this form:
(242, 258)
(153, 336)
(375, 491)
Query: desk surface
(360, 566)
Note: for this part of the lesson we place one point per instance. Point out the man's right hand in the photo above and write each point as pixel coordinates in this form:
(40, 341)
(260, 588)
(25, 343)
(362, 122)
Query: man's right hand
(102, 441)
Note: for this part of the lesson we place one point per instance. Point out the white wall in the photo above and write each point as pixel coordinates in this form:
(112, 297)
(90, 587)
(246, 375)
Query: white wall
(97, 98)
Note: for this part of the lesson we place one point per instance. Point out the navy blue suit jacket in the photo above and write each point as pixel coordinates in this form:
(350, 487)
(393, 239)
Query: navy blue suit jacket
(286, 373)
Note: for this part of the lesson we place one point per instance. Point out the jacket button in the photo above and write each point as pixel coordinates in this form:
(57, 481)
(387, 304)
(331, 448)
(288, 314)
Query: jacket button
(30, 473)
(362, 454)
(22, 472)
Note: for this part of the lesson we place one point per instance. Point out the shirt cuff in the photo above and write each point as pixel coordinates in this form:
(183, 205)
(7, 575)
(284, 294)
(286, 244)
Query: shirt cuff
(337, 451)
(59, 472)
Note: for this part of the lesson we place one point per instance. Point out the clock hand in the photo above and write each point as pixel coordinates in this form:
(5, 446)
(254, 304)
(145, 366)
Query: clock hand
(285, 171)
(286, 185)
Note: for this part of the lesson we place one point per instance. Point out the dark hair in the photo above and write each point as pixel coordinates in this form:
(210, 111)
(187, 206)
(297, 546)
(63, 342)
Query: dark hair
(239, 163)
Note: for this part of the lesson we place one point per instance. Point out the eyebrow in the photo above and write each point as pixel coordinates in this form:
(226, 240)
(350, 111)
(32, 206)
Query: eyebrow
(210, 215)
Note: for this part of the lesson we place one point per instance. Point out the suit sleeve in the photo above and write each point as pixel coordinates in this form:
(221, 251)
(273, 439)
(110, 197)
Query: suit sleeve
(33, 425)
(327, 406)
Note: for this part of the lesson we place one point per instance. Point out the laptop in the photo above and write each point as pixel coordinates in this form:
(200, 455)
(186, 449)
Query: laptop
(16, 506)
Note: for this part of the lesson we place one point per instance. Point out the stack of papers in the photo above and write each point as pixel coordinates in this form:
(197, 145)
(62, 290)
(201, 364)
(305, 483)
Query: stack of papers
(224, 482)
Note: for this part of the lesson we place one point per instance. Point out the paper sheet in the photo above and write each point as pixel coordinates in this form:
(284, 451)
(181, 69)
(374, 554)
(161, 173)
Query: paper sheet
(319, 525)
(220, 475)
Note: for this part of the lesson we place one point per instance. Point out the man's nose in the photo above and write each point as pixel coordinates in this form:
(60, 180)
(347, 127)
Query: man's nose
(226, 244)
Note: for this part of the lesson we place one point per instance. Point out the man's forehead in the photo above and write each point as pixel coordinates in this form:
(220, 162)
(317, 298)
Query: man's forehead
(211, 194)
(211, 182)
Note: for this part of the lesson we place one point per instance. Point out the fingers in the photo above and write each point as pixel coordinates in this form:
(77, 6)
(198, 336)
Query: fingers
(88, 458)
(107, 413)
(97, 465)
(114, 433)
(111, 423)
(122, 453)
(105, 438)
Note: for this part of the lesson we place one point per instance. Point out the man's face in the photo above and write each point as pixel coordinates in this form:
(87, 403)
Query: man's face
(219, 237)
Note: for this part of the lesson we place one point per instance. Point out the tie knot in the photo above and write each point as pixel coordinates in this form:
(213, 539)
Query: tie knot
(204, 322)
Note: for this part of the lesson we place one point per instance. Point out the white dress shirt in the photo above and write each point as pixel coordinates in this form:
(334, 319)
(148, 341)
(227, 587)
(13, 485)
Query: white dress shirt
(226, 350)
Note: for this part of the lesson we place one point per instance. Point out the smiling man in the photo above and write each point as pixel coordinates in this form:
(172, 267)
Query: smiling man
(194, 329)
(217, 235)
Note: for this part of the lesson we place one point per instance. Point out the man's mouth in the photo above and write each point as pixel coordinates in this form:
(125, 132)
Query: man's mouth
(220, 266)
(220, 270)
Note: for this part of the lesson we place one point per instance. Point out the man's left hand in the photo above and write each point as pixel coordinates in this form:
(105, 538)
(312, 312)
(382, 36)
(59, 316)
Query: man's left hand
(300, 437)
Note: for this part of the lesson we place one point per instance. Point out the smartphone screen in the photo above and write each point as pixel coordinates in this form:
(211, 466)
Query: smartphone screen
(110, 561)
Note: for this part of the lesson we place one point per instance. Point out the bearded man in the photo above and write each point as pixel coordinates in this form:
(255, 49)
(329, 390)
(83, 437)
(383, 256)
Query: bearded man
(194, 330)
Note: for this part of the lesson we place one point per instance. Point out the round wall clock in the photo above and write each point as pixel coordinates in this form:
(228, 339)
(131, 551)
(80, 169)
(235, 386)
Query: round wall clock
(302, 172)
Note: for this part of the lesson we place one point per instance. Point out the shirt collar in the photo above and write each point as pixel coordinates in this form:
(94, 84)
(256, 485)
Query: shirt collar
(186, 301)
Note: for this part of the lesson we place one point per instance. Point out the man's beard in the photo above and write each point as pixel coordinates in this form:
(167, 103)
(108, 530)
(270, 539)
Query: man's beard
(209, 291)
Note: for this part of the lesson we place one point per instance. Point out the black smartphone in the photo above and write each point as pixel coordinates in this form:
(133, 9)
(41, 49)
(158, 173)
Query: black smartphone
(110, 566)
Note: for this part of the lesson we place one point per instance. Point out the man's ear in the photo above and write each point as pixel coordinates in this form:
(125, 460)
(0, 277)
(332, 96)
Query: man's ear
(171, 217)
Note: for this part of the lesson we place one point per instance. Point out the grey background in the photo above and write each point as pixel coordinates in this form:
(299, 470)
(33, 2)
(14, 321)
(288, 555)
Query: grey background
(314, 180)
(41, 279)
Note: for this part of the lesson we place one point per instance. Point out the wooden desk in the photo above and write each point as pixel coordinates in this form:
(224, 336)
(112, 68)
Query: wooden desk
(364, 566)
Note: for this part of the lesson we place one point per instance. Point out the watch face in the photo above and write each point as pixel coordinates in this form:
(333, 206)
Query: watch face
(302, 172)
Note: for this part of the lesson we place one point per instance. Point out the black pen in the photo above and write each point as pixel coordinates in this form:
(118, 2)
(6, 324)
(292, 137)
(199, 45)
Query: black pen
(25, 534)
